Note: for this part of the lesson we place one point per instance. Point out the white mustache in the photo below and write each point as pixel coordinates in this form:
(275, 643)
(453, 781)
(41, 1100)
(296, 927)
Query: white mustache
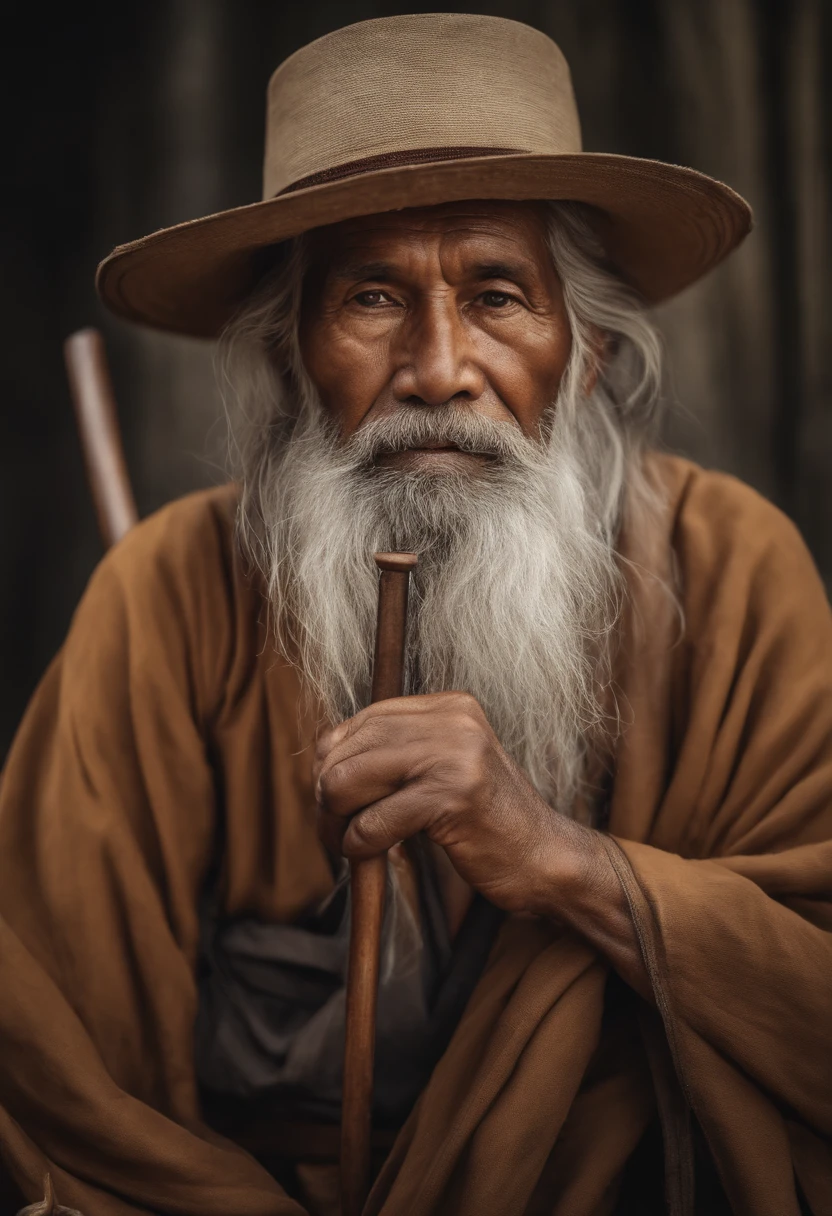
(449, 426)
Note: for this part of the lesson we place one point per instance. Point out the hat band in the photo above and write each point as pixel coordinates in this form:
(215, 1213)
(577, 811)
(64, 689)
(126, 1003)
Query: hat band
(391, 160)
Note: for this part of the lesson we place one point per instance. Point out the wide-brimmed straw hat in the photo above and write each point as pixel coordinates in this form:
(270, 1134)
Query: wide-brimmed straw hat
(414, 111)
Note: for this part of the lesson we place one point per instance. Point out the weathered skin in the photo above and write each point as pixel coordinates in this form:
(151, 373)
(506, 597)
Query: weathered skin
(451, 304)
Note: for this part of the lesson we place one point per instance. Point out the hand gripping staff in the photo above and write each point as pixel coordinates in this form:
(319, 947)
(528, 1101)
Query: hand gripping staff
(367, 884)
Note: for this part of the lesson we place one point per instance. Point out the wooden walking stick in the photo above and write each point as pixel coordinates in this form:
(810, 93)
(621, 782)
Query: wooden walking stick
(95, 410)
(368, 879)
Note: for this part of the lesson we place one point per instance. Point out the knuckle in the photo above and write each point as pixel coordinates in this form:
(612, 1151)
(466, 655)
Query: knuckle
(472, 740)
(328, 738)
(324, 785)
(364, 829)
(472, 706)
(333, 780)
(471, 774)
(465, 704)
(468, 717)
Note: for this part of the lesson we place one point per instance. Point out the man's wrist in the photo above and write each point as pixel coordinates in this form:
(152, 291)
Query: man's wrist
(568, 873)
(575, 883)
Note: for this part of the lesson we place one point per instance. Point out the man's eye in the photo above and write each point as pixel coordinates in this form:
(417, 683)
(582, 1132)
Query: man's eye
(496, 299)
(371, 299)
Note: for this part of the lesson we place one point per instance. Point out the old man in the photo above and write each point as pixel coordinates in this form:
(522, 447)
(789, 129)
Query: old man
(606, 964)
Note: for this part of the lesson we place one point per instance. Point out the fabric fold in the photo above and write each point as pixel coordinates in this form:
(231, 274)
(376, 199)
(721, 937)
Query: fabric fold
(167, 734)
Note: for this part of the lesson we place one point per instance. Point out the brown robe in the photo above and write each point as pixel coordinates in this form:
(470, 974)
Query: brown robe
(167, 728)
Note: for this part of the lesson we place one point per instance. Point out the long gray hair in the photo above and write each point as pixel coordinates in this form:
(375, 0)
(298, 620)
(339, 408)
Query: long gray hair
(518, 588)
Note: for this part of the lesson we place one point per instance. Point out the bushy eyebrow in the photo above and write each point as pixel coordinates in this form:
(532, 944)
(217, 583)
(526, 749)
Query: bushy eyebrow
(361, 270)
(518, 272)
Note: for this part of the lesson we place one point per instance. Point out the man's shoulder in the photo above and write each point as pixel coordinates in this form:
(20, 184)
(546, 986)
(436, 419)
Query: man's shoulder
(199, 520)
(727, 535)
(169, 597)
(717, 511)
(177, 567)
(190, 539)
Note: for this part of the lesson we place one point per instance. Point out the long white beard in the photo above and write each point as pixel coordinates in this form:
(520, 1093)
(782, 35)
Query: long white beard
(515, 596)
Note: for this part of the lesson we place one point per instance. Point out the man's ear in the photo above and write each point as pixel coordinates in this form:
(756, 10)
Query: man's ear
(599, 349)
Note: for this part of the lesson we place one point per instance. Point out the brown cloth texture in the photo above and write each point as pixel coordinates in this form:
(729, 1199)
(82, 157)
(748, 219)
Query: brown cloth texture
(168, 733)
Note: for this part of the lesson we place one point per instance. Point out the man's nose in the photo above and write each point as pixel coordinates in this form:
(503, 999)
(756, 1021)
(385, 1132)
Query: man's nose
(437, 359)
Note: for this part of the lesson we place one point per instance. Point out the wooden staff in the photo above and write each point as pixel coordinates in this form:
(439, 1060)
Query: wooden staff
(95, 410)
(368, 880)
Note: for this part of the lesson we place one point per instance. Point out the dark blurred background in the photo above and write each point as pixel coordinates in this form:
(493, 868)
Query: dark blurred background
(122, 118)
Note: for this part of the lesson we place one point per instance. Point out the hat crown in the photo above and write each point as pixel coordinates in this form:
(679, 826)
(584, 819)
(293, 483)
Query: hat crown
(438, 81)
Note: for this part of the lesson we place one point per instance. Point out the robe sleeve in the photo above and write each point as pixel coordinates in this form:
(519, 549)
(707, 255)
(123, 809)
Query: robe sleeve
(736, 931)
(106, 831)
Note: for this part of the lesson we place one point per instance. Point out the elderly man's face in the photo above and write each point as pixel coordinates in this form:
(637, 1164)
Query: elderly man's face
(442, 306)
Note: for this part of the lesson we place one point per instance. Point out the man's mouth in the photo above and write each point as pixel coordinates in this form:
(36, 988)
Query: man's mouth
(431, 450)
(423, 445)
(433, 447)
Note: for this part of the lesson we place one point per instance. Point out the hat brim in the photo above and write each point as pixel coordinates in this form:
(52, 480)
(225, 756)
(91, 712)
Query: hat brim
(663, 227)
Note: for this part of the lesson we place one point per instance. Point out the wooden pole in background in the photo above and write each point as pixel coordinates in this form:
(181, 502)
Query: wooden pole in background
(368, 879)
(95, 410)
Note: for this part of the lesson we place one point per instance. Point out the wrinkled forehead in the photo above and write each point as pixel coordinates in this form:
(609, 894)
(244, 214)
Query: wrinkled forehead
(505, 228)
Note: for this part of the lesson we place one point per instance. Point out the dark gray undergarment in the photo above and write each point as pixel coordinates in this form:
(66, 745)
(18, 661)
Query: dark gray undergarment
(270, 1024)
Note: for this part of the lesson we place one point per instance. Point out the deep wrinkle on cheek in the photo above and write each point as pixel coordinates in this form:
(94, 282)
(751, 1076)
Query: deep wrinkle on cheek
(355, 363)
(348, 370)
(366, 359)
